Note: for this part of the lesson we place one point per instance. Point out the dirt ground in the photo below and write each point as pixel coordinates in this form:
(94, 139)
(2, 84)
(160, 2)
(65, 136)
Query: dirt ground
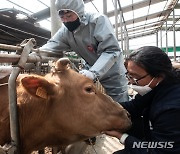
(104, 145)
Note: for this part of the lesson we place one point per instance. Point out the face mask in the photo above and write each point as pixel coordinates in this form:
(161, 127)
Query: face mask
(142, 90)
(71, 26)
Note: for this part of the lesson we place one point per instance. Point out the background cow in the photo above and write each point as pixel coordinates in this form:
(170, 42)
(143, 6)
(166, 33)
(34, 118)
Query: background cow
(58, 109)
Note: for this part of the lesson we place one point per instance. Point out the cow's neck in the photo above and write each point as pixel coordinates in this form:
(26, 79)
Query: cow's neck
(33, 124)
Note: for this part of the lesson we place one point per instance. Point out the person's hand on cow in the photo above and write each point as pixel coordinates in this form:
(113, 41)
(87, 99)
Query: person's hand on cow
(113, 133)
(120, 136)
(88, 74)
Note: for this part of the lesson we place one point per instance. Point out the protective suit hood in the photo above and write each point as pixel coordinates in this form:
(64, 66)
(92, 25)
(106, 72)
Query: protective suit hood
(74, 5)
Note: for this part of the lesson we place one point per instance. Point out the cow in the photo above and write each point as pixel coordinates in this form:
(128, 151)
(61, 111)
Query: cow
(59, 108)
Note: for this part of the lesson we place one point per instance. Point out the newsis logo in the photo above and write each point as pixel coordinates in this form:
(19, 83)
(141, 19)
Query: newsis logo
(153, 145)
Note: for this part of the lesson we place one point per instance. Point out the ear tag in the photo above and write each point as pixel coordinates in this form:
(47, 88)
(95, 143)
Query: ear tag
(41, 92)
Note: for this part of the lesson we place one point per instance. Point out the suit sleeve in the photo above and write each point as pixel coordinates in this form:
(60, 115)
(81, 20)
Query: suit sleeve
(58, 43)
(108, 47)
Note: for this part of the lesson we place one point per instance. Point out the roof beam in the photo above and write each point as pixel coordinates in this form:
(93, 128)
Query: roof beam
(171, 19)
(148, 17)
(41, 15)
(141, 32)
(44, 14)
(87, 1)
(135, 6)
(144, 28)
(140, 35)
(170, 28)
(152, 24)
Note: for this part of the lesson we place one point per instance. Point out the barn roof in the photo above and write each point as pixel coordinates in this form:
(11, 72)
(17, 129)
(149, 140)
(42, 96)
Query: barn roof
(13, 30)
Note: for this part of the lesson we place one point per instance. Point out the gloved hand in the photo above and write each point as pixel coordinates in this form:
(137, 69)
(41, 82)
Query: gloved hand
(88, 74)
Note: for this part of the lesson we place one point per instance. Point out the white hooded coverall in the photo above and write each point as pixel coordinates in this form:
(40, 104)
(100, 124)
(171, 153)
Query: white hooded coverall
(95, 42)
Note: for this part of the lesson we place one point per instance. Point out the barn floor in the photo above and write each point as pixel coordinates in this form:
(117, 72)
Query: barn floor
(104, 145)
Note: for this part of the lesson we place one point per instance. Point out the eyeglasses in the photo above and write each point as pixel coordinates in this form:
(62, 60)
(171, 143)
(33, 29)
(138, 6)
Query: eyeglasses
(63, 12)
(67, 16)
(134, 79)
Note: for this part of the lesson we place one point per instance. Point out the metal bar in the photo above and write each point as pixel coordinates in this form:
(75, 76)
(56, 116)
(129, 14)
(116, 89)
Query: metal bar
(147, 27)
(13, 58)
(41, 15)
(105, 7)
(10, 47)
(161, 38)
(55, 20)
(116, 19)
(141, 32)
(14, 122)
(13, 109)
(24, 32)
(38, 67)
(125, 28)
(14, 48)
(174, 35)
(125, 45)
(122, 32)
(150, 16)
(157, 38)
(44, 14)
(28, 46)
(128, 52)
(135, 6)
(140, 35)
(166, 39)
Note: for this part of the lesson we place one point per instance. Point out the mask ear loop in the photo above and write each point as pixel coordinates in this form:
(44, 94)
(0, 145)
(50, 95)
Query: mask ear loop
(151, 81)
(158, 83)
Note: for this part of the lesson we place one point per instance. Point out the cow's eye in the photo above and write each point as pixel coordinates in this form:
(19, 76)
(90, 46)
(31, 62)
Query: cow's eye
(89, 89)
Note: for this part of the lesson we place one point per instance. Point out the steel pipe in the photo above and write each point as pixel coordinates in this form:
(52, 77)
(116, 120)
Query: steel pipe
(14, 48)
(13, 58)
(13, 109)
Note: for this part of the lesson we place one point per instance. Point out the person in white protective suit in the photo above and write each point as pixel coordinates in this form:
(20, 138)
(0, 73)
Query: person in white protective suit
(92, 37)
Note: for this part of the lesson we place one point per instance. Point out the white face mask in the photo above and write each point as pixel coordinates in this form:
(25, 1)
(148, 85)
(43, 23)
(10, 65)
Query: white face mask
(142, 90)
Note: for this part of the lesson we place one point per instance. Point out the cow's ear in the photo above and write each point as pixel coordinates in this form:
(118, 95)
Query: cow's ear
(38, 86)
(62, 64)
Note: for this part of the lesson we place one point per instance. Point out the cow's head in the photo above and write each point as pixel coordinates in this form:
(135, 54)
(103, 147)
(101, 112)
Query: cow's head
(76, 109)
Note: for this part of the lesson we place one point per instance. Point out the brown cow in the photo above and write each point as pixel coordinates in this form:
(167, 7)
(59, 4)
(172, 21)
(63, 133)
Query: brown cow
(61, 108)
